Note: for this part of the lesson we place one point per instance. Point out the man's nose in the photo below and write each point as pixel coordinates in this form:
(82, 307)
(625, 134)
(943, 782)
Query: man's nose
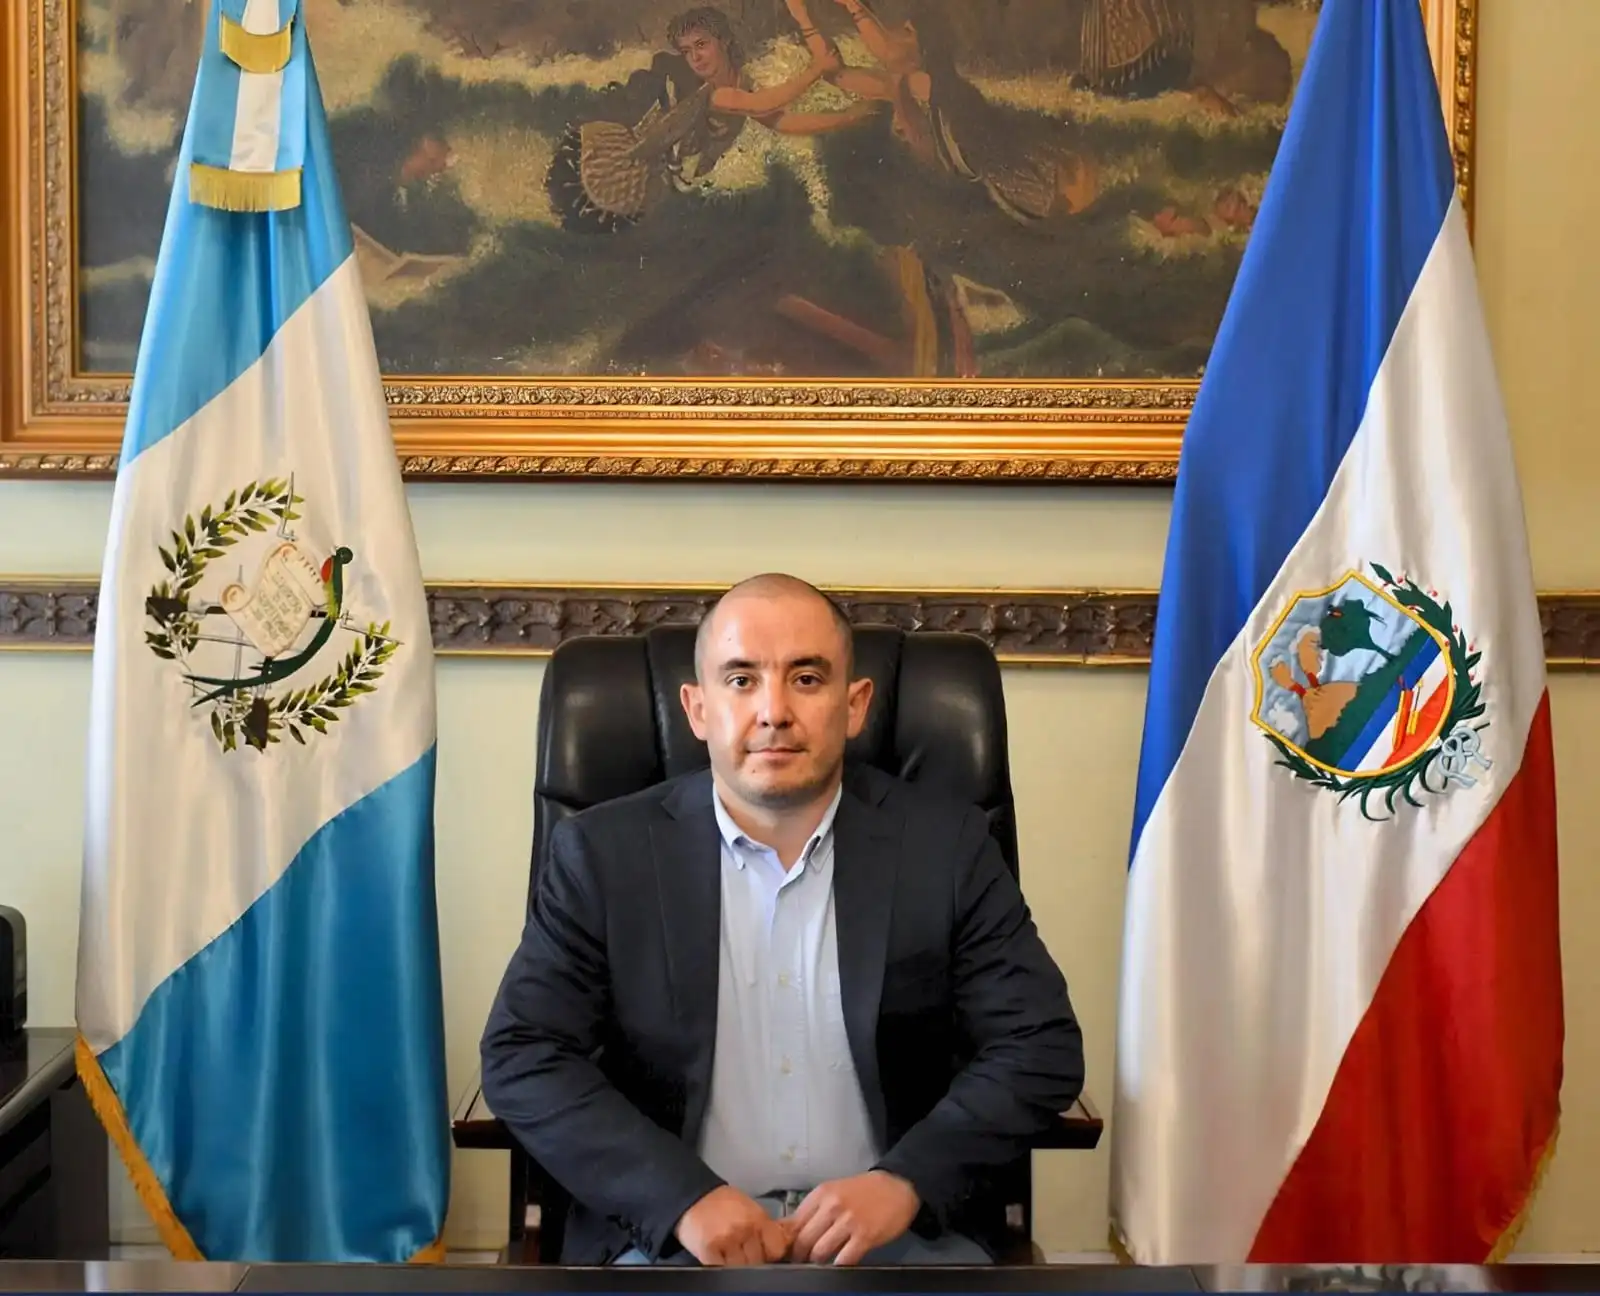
(776, 710)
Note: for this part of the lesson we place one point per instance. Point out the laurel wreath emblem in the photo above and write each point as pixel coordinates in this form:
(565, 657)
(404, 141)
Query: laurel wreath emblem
(255, 716)
(1466, 706)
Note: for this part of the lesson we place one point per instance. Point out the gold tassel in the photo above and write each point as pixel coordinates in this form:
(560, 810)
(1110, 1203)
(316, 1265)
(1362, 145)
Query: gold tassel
(1508, 1239)
(1119, 1246)
(243, 191)
(103, 1100)
(253, 51)
(433, 1253)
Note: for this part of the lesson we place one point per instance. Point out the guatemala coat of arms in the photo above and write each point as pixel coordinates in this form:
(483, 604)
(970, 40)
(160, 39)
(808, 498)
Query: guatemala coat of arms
(1369, 689)
(236, 638)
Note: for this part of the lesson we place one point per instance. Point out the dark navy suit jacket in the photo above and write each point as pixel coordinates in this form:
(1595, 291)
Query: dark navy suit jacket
(597, 1054)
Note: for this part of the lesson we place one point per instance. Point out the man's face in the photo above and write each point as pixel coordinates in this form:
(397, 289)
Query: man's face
(773, 703)
(707, 57)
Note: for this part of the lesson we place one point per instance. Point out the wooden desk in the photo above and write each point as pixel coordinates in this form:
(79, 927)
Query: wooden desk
(473, 1125)
(54, 1157)
(820, 1280)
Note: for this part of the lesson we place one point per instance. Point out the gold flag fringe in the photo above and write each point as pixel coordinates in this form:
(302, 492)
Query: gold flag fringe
(108, 1107)
(1513, 1231)
(243, 191)
(255, 51)
(1502, 1248)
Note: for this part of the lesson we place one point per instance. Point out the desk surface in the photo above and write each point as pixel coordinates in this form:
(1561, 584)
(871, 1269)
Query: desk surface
(31, 1065)
(138, 1275)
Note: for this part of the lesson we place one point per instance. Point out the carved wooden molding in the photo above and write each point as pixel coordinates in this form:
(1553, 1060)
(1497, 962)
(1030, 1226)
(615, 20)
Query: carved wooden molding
(1043, 627)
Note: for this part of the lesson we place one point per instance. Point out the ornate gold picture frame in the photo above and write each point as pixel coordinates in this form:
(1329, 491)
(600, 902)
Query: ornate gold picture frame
(62, 401)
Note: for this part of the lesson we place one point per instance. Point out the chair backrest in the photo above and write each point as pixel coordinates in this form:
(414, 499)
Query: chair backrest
(610, 722)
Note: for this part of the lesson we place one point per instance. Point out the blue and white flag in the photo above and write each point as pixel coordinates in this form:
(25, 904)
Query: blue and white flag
(1341, 1023)
(258, 987)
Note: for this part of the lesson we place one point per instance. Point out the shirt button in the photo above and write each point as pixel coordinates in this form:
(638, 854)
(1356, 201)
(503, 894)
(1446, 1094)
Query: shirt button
(787, 1066)
(788, 1154)
(783, 979)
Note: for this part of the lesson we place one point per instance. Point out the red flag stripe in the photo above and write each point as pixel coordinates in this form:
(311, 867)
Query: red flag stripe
(1449, 1093)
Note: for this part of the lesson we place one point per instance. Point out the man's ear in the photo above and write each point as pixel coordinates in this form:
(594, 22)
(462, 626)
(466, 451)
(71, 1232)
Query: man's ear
(858, 699)
(694, 706)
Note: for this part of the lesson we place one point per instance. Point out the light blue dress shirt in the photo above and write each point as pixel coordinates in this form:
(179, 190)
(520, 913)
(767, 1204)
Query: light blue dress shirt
(785, 1110)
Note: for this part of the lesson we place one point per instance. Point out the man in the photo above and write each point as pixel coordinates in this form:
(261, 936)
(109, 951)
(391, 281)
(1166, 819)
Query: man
(778, 1010)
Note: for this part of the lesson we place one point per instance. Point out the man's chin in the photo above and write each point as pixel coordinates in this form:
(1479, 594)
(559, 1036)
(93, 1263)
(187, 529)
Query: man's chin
(784, 794)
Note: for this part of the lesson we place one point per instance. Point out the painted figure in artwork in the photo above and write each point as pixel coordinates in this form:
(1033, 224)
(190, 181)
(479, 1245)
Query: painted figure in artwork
(1026, 162)
(607, 174)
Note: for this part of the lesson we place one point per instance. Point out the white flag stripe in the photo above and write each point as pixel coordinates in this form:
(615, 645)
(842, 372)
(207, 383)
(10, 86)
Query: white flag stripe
(258, 121)
(1277, 917)
(326, 423)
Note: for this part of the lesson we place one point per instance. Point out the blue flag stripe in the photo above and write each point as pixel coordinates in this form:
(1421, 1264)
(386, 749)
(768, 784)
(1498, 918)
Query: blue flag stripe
(1309, 321)
(226, 281)
(292, 129)
(213, 108)
(243, 1121)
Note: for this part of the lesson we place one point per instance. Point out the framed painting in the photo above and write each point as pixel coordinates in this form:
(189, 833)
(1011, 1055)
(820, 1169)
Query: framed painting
(983, 240)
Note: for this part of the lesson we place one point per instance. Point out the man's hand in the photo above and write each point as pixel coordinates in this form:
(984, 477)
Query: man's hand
(727, 1228)
(844, 1219)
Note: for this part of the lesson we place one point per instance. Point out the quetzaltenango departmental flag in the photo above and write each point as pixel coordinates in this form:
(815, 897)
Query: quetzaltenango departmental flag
(1340, 1033)
(258, 978)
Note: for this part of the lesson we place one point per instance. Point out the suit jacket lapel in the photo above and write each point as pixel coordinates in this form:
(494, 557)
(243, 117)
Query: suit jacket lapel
(688, 882)
(866, 860)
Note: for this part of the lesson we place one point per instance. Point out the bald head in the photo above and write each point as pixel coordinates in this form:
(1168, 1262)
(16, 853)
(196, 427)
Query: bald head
(775, 587)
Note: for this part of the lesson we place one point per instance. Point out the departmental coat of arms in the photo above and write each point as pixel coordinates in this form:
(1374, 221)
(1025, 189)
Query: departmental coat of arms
(245, 608)
(1368, 689)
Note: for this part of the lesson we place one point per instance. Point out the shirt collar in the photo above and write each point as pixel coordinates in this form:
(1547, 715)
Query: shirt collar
(735, 837)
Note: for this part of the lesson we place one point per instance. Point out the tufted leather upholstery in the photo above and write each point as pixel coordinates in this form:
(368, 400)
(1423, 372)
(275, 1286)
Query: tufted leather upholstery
(610, 722)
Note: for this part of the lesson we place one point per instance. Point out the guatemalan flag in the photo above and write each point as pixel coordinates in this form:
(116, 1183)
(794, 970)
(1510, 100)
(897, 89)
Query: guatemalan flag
(258, 979)
(1340, 1035)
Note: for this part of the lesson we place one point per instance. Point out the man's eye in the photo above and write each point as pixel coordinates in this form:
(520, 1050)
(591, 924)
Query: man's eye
(808, 678)
(738, 681)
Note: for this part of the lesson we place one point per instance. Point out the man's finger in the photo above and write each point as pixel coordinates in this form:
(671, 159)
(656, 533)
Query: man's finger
(775, 1241)
(806, 1238)
(753, 1250)
(854, 1251)
(831, 1242)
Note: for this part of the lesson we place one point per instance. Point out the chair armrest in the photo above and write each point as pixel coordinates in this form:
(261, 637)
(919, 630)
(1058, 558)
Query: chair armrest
(1076, 1129)
(473, 1125)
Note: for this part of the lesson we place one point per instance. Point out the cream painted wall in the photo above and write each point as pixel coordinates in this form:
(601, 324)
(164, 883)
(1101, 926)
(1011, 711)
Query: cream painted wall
(1074, 732)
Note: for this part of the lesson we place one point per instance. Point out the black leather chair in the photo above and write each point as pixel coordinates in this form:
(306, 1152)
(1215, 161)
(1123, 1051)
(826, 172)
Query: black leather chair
(610, 723)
